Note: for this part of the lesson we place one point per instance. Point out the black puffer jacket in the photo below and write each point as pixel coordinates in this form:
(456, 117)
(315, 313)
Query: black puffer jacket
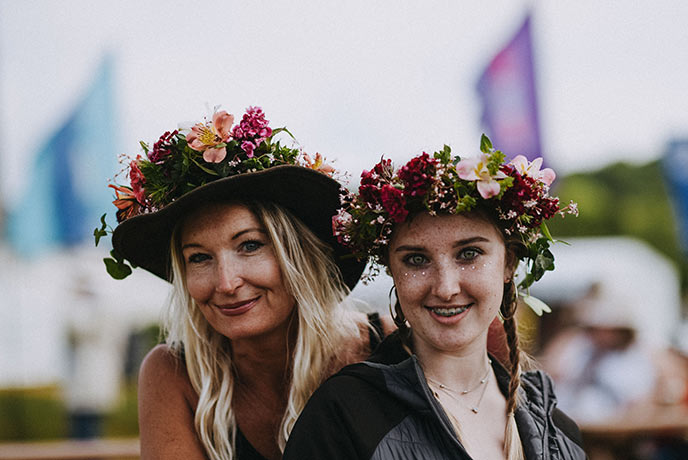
(383, 409)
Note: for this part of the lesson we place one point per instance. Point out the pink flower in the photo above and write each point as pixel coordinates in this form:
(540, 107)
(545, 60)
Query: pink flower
(253, 129)
(475, 169)
(248, 147)
(204, 137)
(521, 164)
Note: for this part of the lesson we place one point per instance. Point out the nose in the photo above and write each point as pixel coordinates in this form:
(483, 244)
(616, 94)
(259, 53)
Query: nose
(447, 282)
(229, 276)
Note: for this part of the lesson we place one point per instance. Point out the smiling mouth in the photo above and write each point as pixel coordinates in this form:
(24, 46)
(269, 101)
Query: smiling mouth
(236, 305)
(449, 312)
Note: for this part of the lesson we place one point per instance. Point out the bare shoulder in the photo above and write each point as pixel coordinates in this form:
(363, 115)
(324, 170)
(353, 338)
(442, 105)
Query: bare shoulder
(166, 408)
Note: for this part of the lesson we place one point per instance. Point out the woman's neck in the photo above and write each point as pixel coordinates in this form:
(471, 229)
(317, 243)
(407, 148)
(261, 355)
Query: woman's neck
(459, 369)
(264, 360)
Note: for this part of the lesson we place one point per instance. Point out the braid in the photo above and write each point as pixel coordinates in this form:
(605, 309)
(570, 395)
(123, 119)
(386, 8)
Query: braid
(400, 320)
(512, 441)
(508, 310)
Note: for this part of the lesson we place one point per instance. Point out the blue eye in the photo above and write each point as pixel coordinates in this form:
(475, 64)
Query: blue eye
(415, 260)
(251, 245)
(197, 258)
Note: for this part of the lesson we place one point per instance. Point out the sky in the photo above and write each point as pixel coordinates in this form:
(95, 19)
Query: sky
(352, 80)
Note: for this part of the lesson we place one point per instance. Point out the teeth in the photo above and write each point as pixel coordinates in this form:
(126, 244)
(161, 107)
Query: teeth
(449, 311)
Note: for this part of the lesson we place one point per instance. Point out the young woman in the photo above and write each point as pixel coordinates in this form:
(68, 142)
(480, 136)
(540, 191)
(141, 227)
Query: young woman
(241, 227)
(450, 232)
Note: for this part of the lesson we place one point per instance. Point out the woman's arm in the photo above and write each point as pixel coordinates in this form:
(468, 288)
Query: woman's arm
(166, 409)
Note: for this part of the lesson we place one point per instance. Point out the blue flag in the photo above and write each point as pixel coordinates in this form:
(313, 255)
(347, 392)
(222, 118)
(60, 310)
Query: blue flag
(66, 188)
(509, 104)
(675, 165)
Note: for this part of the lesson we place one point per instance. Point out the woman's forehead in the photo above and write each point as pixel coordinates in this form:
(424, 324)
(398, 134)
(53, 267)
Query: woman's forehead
(215, 216)
(456, 226)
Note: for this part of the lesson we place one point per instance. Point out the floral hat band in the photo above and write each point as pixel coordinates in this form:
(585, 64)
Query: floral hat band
(212, 153)
(515, 192)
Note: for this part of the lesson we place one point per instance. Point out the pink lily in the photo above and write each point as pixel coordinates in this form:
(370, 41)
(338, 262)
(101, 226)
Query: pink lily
(476, 169)
(532, 169)
(204, 137)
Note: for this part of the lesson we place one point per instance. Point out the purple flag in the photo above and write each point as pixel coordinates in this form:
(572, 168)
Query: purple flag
(507, 91)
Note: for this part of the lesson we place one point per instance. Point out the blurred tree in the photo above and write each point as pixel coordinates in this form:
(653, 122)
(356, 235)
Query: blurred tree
(622, 199)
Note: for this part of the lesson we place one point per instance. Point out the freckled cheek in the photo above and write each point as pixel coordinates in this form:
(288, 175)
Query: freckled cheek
(412, 289)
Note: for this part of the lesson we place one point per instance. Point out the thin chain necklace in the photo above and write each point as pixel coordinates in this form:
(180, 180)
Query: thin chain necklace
(454, 394)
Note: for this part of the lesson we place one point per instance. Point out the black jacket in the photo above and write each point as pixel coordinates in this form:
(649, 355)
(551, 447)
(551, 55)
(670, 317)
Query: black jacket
(383, 409)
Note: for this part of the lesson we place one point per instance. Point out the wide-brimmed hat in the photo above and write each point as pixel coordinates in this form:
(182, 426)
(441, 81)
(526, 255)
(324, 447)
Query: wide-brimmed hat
(309, 195)
(212, 163)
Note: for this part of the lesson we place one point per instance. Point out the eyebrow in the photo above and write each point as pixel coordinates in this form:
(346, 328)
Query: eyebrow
(238, 235)
(465, 241)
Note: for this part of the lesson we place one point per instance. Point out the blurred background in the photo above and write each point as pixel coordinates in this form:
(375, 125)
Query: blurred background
(598, 89)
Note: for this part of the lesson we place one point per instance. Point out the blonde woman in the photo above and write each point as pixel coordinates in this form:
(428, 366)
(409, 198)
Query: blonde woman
(450, 232)
(241, 226)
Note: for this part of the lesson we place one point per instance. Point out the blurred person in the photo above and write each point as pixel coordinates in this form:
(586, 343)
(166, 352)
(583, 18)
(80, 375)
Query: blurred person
(95, 346)
(451, 233)
(241, 227)
(599, 366)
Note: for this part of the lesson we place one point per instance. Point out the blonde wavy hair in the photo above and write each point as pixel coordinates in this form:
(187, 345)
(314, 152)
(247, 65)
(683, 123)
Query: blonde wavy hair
(313, 279)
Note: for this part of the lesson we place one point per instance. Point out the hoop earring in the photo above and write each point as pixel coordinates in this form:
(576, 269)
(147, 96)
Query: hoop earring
(395, 312)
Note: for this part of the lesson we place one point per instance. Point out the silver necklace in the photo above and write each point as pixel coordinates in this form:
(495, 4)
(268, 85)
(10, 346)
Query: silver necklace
(454, 394)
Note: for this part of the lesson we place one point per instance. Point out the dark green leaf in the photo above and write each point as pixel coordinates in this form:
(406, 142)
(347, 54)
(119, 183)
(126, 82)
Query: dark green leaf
(117, 269)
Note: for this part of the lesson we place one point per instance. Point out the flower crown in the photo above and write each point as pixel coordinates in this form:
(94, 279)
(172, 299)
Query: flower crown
(183, 160)
(515, 193)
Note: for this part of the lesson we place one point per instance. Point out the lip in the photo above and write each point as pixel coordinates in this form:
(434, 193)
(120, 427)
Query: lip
(448, 319)
(238, 308)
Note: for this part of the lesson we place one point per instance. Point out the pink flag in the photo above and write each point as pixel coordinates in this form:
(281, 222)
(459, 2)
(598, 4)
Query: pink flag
(507, 92)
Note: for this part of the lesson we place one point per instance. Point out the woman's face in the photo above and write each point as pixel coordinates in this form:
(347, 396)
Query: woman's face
(232, 273)
(449, 272)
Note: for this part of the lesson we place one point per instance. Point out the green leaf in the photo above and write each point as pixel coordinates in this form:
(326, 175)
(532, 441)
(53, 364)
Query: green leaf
(117, 269)
(485, 144)
(98, 233)
(545, 231)
(279, 130)
(535, 304)
(206, 170)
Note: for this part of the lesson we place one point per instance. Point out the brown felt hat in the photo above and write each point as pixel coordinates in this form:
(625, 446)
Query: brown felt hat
(311, 196)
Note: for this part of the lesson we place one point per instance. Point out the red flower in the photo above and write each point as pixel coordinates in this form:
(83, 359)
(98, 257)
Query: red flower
(394, 203)
(163, 148)
(527, 197)
(137, 180)
(372, 180)
(418, 175)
